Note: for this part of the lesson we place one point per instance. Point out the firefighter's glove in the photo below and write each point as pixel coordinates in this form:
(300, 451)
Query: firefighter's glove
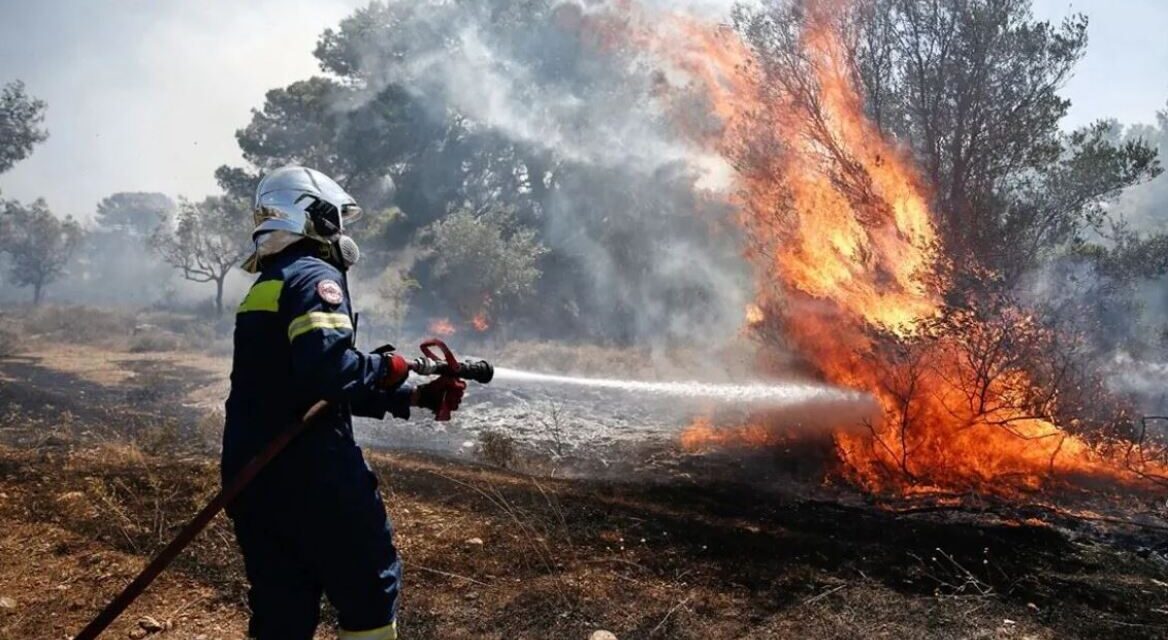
(397, 369)
(442, 395)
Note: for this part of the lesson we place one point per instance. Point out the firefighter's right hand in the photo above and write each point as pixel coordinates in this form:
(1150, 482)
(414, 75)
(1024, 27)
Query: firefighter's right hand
(397, 369)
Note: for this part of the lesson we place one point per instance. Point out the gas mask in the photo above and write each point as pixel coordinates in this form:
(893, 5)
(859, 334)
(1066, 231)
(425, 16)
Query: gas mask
(348, 253)
(329, 222)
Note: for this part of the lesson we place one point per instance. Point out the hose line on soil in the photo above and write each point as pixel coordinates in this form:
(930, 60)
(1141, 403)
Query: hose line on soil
(196, 526)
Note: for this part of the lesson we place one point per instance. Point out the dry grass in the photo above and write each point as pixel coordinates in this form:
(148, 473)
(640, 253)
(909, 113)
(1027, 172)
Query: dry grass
(138, 331)
(10, 343)
(89, 490)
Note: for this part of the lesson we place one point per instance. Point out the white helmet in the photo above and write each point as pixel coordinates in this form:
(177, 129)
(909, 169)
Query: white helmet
(292, 203)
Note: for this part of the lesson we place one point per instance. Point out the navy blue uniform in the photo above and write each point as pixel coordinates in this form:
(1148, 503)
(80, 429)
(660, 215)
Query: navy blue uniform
(312, 522)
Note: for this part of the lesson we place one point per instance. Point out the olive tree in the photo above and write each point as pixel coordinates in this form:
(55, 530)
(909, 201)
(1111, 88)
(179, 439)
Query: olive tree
(38, 245)
(20, 119)
(206, 241)
(483, 260)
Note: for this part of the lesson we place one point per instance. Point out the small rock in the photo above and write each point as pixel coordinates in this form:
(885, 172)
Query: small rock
(7, 603)
(601, 634)
(475, 542)
(150, 625)
(138, 634)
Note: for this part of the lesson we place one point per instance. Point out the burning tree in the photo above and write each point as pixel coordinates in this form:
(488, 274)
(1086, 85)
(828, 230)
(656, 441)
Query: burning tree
(902, 280)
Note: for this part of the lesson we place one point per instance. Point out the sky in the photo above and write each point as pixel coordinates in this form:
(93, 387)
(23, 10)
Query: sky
(145, 95)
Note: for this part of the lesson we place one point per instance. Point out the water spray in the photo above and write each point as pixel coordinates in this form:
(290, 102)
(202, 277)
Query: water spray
(759, 394)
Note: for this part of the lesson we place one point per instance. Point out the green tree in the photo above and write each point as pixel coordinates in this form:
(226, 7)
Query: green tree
(20, 118)
(135, 214)
(511, 101)
(38, 244)
(483, 261)
(207, 240)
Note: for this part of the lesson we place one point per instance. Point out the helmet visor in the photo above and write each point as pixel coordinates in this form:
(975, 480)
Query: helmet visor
(351, 213)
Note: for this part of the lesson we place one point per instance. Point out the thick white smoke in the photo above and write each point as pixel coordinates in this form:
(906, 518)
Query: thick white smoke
(628, 182)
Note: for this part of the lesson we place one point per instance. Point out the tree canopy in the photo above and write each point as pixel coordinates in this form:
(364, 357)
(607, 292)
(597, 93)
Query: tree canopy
(20, 118)
(972, 88)
(137, 214)
(38, 245)
(206, 241)
(488, 104)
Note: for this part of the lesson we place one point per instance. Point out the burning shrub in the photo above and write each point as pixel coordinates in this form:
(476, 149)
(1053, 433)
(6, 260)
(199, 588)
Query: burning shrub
(987, 397)
(880, 283)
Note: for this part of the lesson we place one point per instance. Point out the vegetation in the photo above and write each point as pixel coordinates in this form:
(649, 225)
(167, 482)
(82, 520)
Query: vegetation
(20, 118)
(38, 245)
(484, 262)
(207, 241)
(135, 214)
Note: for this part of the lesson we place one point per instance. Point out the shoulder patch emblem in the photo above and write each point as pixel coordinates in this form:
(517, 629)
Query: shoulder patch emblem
(330, 291)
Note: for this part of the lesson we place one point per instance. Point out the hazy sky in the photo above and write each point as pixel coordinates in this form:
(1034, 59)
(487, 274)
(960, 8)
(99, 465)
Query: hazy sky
(145, 95)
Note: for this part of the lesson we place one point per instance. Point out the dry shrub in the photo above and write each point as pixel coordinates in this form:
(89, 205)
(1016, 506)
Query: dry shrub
(158, 438)
(155, 340)
(496, 448)
(10, 342)
(195, 329)
(209, 429)
(79, 325)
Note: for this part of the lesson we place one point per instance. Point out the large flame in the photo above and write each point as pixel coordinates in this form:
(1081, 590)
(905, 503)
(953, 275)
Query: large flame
(845, 247)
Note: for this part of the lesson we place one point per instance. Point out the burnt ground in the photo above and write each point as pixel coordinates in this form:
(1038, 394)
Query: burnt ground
(97, 472)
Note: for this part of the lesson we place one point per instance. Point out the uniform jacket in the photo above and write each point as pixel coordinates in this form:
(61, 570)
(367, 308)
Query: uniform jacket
(294, 345)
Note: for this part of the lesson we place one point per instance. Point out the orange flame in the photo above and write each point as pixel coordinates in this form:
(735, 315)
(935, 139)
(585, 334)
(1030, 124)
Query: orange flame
(480, 322)
(442, 327)
(844, 241)
(702, 435)
(754, 315)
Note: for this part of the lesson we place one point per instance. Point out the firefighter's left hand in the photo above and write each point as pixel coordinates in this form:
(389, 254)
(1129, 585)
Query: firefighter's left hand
(446, 390)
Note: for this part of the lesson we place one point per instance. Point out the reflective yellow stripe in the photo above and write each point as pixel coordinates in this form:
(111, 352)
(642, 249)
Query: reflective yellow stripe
(318, 320)
(264, 296)
(388, 632)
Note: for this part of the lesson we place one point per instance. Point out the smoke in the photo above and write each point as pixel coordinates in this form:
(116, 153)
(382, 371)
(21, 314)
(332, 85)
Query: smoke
(1121, 320)
(637, 208)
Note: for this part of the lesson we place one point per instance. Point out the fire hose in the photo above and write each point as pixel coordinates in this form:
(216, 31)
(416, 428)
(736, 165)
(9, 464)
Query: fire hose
(447, 367)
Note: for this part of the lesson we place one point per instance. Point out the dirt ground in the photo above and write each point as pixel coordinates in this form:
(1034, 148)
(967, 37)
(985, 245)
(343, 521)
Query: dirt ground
(104, 455)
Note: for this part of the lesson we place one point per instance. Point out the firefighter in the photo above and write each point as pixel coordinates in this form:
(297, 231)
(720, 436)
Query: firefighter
(313, 522)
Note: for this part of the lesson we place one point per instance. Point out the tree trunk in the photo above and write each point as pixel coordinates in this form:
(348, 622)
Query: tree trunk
(38, 291)
(219, 295)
